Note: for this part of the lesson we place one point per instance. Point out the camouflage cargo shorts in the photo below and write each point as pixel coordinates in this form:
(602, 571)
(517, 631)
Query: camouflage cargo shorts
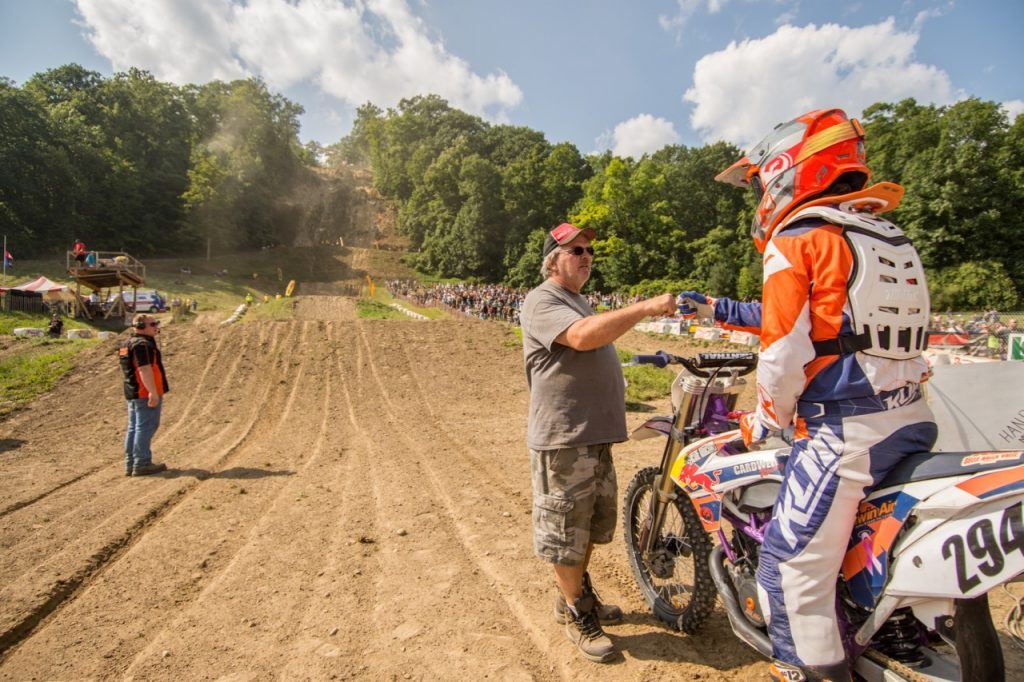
(574, 491)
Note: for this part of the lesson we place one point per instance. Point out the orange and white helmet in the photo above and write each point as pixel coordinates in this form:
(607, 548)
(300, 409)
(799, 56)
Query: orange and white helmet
(797, 161)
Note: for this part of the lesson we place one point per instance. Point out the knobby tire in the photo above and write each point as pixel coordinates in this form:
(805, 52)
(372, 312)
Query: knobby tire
(700, 597)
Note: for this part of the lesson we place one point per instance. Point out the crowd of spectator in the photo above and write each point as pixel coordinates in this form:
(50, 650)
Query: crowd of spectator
(985, 334)
(988, 322)
(485, 301)
(988, 331)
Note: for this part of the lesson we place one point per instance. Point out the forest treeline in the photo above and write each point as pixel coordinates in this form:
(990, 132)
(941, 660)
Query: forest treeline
(132, 162)
(474, 199)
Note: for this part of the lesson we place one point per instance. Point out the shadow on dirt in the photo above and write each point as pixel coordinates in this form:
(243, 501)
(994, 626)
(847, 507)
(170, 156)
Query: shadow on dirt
(676, 647)
(240, 473)
(10, 444)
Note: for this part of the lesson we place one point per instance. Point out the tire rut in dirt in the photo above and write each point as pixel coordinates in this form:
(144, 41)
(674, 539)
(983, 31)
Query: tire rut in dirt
(78, 510)
(91, 454)
(476, 535)
(468, 376)
(61, 576)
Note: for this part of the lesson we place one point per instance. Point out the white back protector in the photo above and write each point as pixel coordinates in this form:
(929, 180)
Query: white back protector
(887, 292)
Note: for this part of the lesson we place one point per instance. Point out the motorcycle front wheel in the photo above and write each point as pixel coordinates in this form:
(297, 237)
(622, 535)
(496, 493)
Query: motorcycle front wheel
(674, 576)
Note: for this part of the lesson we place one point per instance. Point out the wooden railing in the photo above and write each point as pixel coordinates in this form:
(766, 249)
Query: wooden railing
(106, 260)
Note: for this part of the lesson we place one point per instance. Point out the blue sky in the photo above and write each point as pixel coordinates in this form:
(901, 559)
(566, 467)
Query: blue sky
(630, 76)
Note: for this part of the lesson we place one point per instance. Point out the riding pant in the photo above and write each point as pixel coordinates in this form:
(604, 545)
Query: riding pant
(845, 447)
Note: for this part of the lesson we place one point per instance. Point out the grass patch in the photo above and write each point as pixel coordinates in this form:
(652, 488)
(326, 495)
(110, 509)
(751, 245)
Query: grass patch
(8, 321)
(382, 295)
(644, 382)
(375, 310)
(28, 374)
(514, 339)
(274, 309)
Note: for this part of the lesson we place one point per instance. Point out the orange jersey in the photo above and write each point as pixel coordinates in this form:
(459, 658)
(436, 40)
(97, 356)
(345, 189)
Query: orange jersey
(807, 266)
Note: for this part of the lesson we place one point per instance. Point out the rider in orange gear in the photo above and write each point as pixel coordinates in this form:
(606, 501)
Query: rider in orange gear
(841, 322)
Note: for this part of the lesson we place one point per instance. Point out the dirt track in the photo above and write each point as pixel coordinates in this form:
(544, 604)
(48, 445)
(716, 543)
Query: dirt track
(345, 499)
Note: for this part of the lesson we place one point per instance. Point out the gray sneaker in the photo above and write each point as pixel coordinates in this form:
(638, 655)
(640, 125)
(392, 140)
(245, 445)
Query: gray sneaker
(147, 469)
(607, 614)
(583, 629)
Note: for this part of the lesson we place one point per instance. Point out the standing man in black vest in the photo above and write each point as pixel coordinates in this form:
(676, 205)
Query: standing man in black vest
(145, 384)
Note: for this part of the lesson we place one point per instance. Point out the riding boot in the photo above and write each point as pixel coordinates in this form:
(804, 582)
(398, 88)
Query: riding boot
(789, 672)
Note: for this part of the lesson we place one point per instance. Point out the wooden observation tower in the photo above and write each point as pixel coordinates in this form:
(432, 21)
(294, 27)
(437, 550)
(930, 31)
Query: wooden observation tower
(105, 270)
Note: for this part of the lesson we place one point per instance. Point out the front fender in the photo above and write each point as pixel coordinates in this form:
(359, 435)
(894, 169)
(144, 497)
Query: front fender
(652, 428)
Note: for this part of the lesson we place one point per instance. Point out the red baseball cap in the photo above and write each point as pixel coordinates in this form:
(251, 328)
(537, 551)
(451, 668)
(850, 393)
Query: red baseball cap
(562, 235)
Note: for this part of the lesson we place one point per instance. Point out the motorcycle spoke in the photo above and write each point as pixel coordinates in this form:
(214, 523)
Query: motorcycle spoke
(670, 557)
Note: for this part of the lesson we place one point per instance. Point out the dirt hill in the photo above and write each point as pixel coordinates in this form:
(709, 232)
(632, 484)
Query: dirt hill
(338, 205)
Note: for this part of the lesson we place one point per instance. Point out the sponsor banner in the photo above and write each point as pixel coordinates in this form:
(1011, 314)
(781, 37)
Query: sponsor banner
(744, 338)
(708, 333)
(1015, 347)
(667, 326)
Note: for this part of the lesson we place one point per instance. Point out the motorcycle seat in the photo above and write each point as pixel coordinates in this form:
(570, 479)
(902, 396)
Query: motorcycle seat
(925, 466)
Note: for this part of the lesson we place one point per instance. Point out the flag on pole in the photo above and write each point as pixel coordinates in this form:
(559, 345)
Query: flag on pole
(8, 259)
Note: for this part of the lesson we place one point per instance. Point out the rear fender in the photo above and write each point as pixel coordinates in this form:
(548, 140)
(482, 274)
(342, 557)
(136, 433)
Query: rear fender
(878, 527)
(966, 556)
(881, 534)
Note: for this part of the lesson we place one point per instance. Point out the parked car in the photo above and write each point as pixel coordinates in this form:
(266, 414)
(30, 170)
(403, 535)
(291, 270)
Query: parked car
(149, 301)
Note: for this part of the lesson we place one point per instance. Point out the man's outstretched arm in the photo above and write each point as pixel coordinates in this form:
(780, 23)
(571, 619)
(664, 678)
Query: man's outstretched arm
(599, 330)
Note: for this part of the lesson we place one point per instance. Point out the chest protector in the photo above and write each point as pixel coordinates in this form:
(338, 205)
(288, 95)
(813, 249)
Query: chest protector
(887, 293)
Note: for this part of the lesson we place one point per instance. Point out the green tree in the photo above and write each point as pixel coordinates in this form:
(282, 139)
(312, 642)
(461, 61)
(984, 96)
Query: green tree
(973, 286)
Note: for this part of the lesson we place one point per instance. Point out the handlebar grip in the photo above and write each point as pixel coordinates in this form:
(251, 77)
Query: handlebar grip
(659, 359)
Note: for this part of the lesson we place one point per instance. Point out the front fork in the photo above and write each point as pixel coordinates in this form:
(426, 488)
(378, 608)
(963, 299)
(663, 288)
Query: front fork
(664, 494)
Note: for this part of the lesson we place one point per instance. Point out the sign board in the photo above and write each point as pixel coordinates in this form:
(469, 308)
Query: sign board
(978, 407)
(708, 333)
(1015, 347)
(744, 338)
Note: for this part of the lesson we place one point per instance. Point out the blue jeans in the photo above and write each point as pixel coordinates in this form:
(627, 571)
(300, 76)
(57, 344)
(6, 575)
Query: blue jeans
(143, 422)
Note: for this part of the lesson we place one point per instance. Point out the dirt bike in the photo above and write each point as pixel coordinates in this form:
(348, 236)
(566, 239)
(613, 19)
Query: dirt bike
(928, 544)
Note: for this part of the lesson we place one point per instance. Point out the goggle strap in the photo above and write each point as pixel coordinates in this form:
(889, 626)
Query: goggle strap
(825, 139)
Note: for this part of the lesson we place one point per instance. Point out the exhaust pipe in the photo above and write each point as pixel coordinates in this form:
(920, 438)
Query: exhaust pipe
(742, 627)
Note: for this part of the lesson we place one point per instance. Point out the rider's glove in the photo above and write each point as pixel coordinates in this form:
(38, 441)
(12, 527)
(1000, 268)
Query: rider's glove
(752, 430)
(694, 304)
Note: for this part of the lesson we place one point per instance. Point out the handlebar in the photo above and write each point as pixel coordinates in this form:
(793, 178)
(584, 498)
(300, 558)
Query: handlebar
(660, 359)
(745, 362)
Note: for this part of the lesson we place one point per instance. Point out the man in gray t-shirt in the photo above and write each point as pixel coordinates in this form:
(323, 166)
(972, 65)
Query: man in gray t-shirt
(577, 410)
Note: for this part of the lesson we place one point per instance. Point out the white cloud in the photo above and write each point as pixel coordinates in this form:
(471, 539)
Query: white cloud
(1013, 108)
(639, 135)
(788, 16)
(358, 51)
(931, 13)
(684, 10)
(740, 92)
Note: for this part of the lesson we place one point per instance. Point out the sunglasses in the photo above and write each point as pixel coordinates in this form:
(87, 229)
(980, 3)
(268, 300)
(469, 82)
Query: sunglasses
(154, 323)
(578, 250)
